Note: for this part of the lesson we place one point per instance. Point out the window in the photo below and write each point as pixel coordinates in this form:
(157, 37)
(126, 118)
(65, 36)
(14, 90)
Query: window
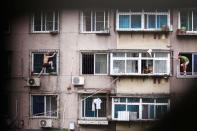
(94, 63)
(144, 108)
(44, 105)
(45, 62)
(142, 20)
(95, 21)
(94, 107)
(188, 20)
(45, 21)
(133, 63)
(191, 67)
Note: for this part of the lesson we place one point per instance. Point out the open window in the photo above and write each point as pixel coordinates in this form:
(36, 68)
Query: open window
(44, 106)
(94, 107)
(191, 69)
(44, 62)
(95, 63)
(45, 21)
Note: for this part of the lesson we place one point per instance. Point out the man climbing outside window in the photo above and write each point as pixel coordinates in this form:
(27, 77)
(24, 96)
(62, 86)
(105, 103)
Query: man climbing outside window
(47, 62)
(184, 61)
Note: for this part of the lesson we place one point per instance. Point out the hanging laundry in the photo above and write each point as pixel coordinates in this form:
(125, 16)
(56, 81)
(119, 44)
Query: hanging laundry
(96, 104)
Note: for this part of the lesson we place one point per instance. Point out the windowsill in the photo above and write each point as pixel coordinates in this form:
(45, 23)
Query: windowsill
(45, 74)
(45, 32)
(136, 120)
(93, 118)
(43, 117)
(186, 76)
(156, 75)
(95, 32)
(187, 33)
(144, 30)
(93, 122)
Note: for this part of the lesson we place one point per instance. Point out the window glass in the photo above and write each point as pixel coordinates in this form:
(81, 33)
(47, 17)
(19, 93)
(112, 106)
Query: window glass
(99, 20)
(119, 108)
(132, 66)
(160, 66)
(135, 21)
(101, 63)
(151, 21)
(119, 66)
(37, 21)
(133, 108)
(130, 54)
(38, 105)
(161, 54)
(147, 66)
(87, 20)
(122, 99)
(147, 100)
(162, 100)
(195, 64)
(147, 111)
(124, 21)
(161, 21)
(160, 110)
(130, 100)
(194, 20)
(118, 54)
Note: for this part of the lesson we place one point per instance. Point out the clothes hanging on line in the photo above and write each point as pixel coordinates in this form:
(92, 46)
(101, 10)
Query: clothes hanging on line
(96, 104)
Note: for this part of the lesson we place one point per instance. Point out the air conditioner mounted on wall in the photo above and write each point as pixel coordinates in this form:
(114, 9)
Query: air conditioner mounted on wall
(46, 123)
(77, 80)
(33, 81)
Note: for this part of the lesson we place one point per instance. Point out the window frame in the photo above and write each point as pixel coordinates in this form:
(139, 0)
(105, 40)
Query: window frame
(139, 59)
(140, 104)
(83, 110)
(178, 66)
(179, 20)
(44, 116)
(43, 13)
(32, 52)
(94, 54)
(106, 30)
(143, 26)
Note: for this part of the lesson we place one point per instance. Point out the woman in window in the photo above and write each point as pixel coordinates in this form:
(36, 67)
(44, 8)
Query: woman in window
(184, 61)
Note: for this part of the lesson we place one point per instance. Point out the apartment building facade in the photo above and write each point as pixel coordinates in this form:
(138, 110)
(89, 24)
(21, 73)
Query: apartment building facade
(97, 68)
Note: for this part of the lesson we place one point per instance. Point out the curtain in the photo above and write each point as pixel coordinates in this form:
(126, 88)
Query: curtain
(119, 108)
(160, 66)
(119, 66)
(132, 66)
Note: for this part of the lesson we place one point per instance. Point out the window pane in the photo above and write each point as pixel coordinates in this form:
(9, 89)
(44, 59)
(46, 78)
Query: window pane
(160, 66)
(147, 111)
(133, 108)
(123, 21)
(195, 20)
(147, 55)
(38, 105)
(56, 20)
(37, 21)
(119, 108)
(100, 21)
(132, 66)
(102, 111)
(118, 54)
(135, 21)
(160, 110)
(49, 21)
(161, 21)
(161, 54)
(147, 66)
(151, 21)
(195, 64)
(184, 19)
(132, 54)
(51, 105)
(88, 108)
(123, 100)
(147, 100)
(131, 100)
(101, 63)
(87, 20)
(119, 66)
(87, 63)
(37, 62)
(161, 100)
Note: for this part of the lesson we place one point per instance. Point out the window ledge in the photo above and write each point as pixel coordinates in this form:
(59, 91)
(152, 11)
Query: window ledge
(144, 30)
(136, 120)
(180, 32)
(141, 75)
(187, 76)
(43, 117)
(92, 122)
(96, 32)
(45, 32)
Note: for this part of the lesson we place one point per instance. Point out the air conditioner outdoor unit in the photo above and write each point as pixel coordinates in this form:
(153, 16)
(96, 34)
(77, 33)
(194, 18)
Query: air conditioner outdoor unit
(123, 115)
(77, 80)
(46, 123)
(33, 81)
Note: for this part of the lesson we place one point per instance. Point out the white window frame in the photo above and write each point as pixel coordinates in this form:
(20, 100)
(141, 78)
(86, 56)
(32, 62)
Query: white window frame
(94, 73)
(32, 52)
(106, 30)
(42, 15)
(179, 22)
(91, 118)
(193, 73)
(140, 104)
(139, 59)
(44, 116)
(142, 13)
